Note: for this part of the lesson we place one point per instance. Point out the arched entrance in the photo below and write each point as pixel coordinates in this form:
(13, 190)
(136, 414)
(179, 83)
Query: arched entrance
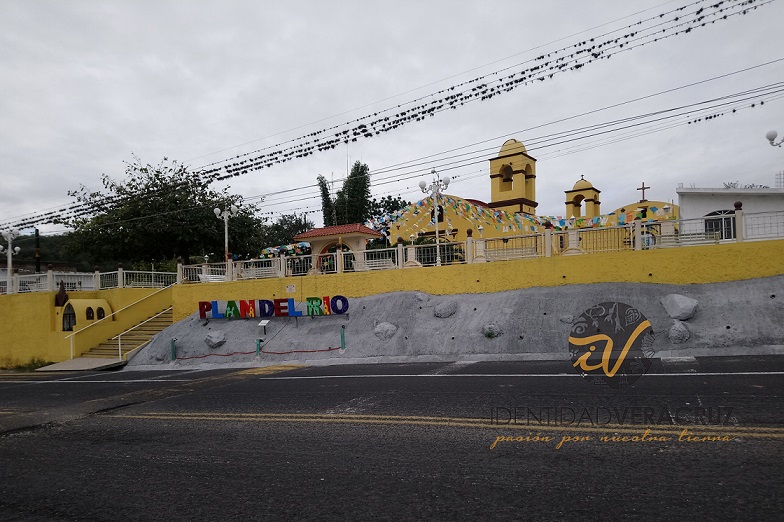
(69, 318)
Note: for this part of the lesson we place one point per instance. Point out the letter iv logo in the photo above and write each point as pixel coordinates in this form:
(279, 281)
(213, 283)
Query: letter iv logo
(610, 343)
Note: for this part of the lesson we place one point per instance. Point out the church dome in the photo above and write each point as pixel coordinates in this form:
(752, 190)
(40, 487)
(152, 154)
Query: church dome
(582, 184)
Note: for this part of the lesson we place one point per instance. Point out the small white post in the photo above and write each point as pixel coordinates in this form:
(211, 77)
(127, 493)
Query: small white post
(548, 239)
(740, 225)
(179, 270)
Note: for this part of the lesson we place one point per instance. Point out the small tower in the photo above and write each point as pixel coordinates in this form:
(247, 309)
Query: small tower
(513, 179)
(583, 191)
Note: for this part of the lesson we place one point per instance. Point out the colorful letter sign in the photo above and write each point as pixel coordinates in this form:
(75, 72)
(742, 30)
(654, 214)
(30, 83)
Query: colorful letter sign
(249, 309)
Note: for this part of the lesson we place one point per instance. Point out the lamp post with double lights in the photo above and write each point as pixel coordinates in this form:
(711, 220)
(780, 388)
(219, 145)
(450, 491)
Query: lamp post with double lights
(225, 214)
(434, 189)
(9, 235)
(771, 137)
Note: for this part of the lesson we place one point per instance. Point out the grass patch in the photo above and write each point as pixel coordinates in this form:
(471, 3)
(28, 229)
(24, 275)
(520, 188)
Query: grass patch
(33, 364)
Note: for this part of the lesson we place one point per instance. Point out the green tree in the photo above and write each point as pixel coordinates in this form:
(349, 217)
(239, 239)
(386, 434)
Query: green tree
(352, 204)
(158, 213)
(327, 205)
(283, 230)
(387, 205)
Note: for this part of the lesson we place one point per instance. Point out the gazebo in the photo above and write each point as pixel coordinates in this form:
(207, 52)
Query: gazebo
(353, 236)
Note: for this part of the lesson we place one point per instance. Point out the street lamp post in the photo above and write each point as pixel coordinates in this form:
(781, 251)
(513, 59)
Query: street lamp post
(434, 189)
(225, 214)
(9, 235)
(771, 137)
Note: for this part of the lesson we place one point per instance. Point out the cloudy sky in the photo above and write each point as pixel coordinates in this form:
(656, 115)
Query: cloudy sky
(85, 85)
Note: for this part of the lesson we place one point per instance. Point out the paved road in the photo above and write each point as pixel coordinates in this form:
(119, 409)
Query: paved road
(426, 441)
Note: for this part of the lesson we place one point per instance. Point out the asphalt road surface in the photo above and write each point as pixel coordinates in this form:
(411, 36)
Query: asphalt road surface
(517, 441)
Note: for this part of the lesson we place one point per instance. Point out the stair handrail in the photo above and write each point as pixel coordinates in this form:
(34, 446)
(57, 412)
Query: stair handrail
(71, 336)
(119, 336)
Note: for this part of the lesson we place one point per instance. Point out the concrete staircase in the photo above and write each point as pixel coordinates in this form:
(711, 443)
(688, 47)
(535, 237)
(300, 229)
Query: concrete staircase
(135, 338)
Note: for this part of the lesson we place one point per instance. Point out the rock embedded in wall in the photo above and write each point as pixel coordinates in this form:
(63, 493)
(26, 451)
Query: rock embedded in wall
(678, 333)
(491, 331)
(215, 338)
(385, 331)
(679, 306)
(445, 309)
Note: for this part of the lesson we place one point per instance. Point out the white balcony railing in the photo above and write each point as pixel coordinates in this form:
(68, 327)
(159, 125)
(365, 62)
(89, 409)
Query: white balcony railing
(659, 234)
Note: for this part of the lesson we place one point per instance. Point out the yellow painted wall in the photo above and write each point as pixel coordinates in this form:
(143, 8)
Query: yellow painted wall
(30, 320)
(33, 324)
(727, 262)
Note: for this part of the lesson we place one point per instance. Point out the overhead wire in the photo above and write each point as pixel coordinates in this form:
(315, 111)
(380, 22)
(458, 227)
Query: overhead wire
(482, 91)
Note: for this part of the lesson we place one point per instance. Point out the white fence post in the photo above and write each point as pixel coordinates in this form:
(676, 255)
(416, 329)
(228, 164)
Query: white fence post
(120, 276)
(548, 239)
(740, 226)
(97, 279)
(469, 251)
(179, 270)
(50, 278)
(400, 252)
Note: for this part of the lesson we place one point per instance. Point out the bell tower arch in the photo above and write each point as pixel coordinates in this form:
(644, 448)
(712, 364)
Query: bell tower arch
(583, 192)
(513, 179)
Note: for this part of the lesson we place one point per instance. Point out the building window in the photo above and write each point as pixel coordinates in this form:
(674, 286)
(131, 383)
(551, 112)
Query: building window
(90, 313)
(69, 318)
(101, 313)
(721, 222)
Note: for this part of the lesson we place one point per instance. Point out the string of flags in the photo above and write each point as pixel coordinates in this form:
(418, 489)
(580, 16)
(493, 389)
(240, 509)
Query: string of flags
(677, 21)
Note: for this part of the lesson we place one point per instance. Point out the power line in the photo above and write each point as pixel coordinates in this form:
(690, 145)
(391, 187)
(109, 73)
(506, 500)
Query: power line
(676, 21)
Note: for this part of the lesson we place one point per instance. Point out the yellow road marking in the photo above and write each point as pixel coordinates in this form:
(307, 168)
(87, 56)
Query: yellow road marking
(266, 370)
(697, 430)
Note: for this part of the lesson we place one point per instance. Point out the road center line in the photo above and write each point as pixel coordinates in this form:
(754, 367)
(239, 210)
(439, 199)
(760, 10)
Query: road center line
(440, 375)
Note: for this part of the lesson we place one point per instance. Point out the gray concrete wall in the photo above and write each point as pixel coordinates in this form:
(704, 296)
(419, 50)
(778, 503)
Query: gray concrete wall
(533, 323)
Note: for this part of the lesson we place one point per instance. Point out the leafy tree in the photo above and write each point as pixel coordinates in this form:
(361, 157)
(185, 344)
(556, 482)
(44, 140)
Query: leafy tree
(158, 213)
(327, 205)
(387, 205)
(53, 251)
(352, 203)
(282, 231)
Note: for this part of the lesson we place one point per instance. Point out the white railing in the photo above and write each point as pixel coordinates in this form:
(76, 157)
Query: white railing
(659, 234)
(118, 337)
(109, 280)
(33, 283)
(257, 269)
(377, 259)
(300, 265)
(764, 225)
(109, 318)
(514, 247)
(137, 279)
(450, 252)
(609, 239)
(204, 273)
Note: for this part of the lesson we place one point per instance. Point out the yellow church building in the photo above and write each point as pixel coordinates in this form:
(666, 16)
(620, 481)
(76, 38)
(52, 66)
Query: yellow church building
(512, 210)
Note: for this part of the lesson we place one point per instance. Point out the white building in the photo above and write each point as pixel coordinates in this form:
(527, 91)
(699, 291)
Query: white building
(717, 205)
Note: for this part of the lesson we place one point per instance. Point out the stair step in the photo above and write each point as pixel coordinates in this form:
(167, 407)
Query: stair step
(133, 339)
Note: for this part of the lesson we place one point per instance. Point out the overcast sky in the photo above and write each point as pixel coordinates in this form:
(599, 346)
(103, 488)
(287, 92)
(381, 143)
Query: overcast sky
(84, 85)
